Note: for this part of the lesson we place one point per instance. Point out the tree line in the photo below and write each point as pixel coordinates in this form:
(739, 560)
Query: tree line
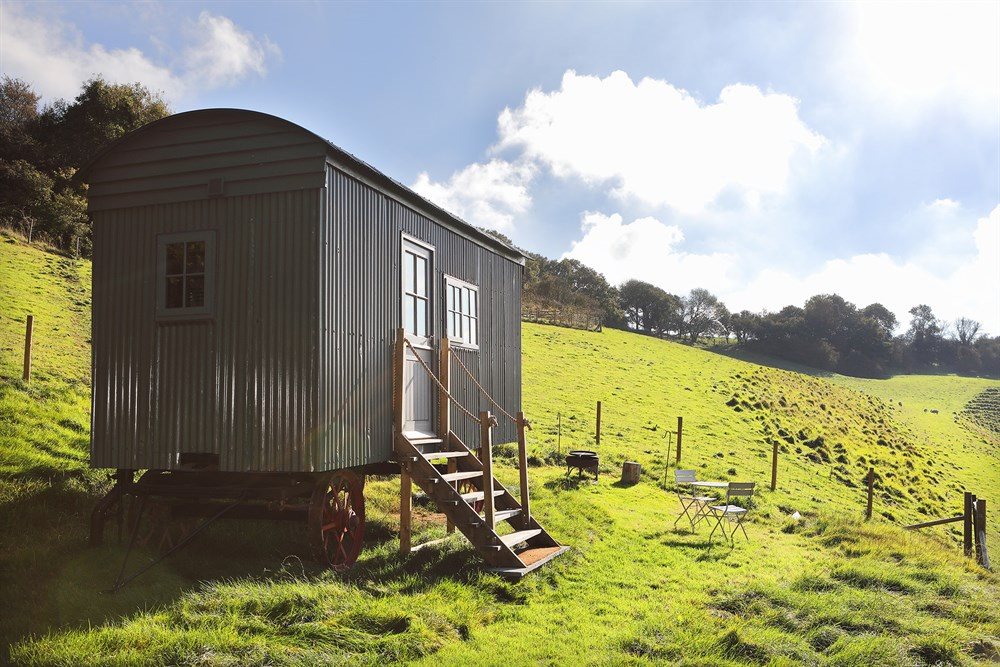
(43, 145)
(827, 332)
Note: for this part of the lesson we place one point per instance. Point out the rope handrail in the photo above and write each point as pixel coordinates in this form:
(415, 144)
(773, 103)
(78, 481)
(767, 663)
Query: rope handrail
(438, 382)
(481, 388)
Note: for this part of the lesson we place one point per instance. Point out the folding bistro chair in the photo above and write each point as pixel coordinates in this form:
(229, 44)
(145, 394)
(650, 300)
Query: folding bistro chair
(692, 505)
(734, 514)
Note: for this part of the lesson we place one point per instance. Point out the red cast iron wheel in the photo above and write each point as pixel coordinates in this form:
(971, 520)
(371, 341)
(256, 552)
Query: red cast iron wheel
(337, 519)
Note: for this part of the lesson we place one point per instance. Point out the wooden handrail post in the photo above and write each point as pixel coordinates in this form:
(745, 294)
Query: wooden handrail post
(598, 434)
(486, 456)
(444, 403)
(967, 524)
(870, 483)
(405, 513)
(774, 466)
(29, 326)
(680, 433)
(452, 468)
(398, 366)
(522, 460)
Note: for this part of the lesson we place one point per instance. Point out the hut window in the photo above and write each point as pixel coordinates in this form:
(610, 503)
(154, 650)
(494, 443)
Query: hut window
(416, 289)
(462, 312)
(184, 277)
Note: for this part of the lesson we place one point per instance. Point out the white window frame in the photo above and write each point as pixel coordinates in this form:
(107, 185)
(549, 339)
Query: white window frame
(426, 251)
(467, 321)
(204, 311)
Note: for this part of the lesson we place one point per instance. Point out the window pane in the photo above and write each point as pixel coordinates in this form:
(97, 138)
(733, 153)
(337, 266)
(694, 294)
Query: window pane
(474, 331)
(408, 272)
(409, 314)
(421, 276)
(194, 292)
(451, 297)
(175, 292)
(175, 258)
(473, 303)
(195, 260)
(421, 329)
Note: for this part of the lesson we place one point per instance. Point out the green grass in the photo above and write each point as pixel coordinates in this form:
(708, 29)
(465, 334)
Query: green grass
(827, 589)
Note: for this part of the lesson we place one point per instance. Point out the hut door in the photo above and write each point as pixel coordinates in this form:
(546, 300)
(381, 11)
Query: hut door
(418, 320)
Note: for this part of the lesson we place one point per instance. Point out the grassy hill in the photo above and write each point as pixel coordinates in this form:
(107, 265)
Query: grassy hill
(825, 589)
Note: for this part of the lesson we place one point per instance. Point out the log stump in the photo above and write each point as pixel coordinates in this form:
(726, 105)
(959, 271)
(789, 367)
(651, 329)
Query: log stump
(630, 472)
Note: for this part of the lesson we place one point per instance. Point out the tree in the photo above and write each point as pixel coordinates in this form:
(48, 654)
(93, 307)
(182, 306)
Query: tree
(101, 114)
(40, 151)
(966, 330)
(702, 314)
(883, 317)
(649, 308)
(924, 334)
(744, 325)
(18, 114)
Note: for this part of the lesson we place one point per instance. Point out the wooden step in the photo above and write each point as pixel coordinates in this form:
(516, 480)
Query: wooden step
(535, 557)
(519, 536)
(459, 476)
(503, 515)
(476, 496)
(430, 456)
(425, 441)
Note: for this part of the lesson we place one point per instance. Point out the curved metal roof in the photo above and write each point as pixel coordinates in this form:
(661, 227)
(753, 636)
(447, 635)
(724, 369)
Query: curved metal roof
(379, 178)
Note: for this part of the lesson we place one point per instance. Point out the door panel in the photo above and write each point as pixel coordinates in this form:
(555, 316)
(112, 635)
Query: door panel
(417, 306)
(418, 388)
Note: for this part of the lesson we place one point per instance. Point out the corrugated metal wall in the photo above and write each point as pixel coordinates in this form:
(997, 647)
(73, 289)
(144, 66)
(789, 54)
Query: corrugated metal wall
(294, 370)
(243, 384)
(360, 312)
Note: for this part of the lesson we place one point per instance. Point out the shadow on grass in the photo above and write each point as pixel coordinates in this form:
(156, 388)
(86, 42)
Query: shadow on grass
(569, 482)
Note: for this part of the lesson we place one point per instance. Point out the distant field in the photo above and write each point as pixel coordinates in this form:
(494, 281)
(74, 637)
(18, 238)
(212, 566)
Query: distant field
(827, 589)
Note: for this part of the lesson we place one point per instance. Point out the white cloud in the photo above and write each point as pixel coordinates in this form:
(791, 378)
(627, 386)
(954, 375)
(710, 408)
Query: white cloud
(222, 53)
(909, 54)
(646, 249)
(657, 143)
(490, 195)
(943, 206)
(972, 289)
(56, 59)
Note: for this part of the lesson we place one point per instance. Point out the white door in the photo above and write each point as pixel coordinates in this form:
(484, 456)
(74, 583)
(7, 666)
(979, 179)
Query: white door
(418, 321)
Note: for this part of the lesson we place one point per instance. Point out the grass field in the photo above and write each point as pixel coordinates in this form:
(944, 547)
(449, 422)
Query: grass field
(826, 589)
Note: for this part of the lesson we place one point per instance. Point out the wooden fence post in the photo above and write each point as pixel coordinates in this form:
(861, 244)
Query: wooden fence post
(774, 466)
(522, 459)
(28, 327)
(680, 432)
(982, 556)
(405, 513)
(598, 438)
(486, 449)
(559, 433)
(967, 512)
(870, 483)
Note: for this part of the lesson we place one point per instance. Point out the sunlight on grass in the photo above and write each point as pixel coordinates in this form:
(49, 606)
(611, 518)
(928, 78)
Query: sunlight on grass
(825, 589)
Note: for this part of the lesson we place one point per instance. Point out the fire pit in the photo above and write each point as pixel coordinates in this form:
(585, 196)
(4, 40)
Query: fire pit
(583, 459)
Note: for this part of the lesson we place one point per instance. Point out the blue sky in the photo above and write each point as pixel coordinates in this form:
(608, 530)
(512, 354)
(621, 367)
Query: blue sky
(767, 152)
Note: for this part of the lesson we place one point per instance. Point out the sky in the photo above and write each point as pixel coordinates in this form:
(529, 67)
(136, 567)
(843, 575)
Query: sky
(767, 152)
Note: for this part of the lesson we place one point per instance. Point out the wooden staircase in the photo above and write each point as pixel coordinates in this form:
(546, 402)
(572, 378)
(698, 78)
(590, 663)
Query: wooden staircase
(462, 486)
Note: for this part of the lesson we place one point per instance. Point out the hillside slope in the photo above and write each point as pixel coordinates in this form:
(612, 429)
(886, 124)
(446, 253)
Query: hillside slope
(826, 589)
